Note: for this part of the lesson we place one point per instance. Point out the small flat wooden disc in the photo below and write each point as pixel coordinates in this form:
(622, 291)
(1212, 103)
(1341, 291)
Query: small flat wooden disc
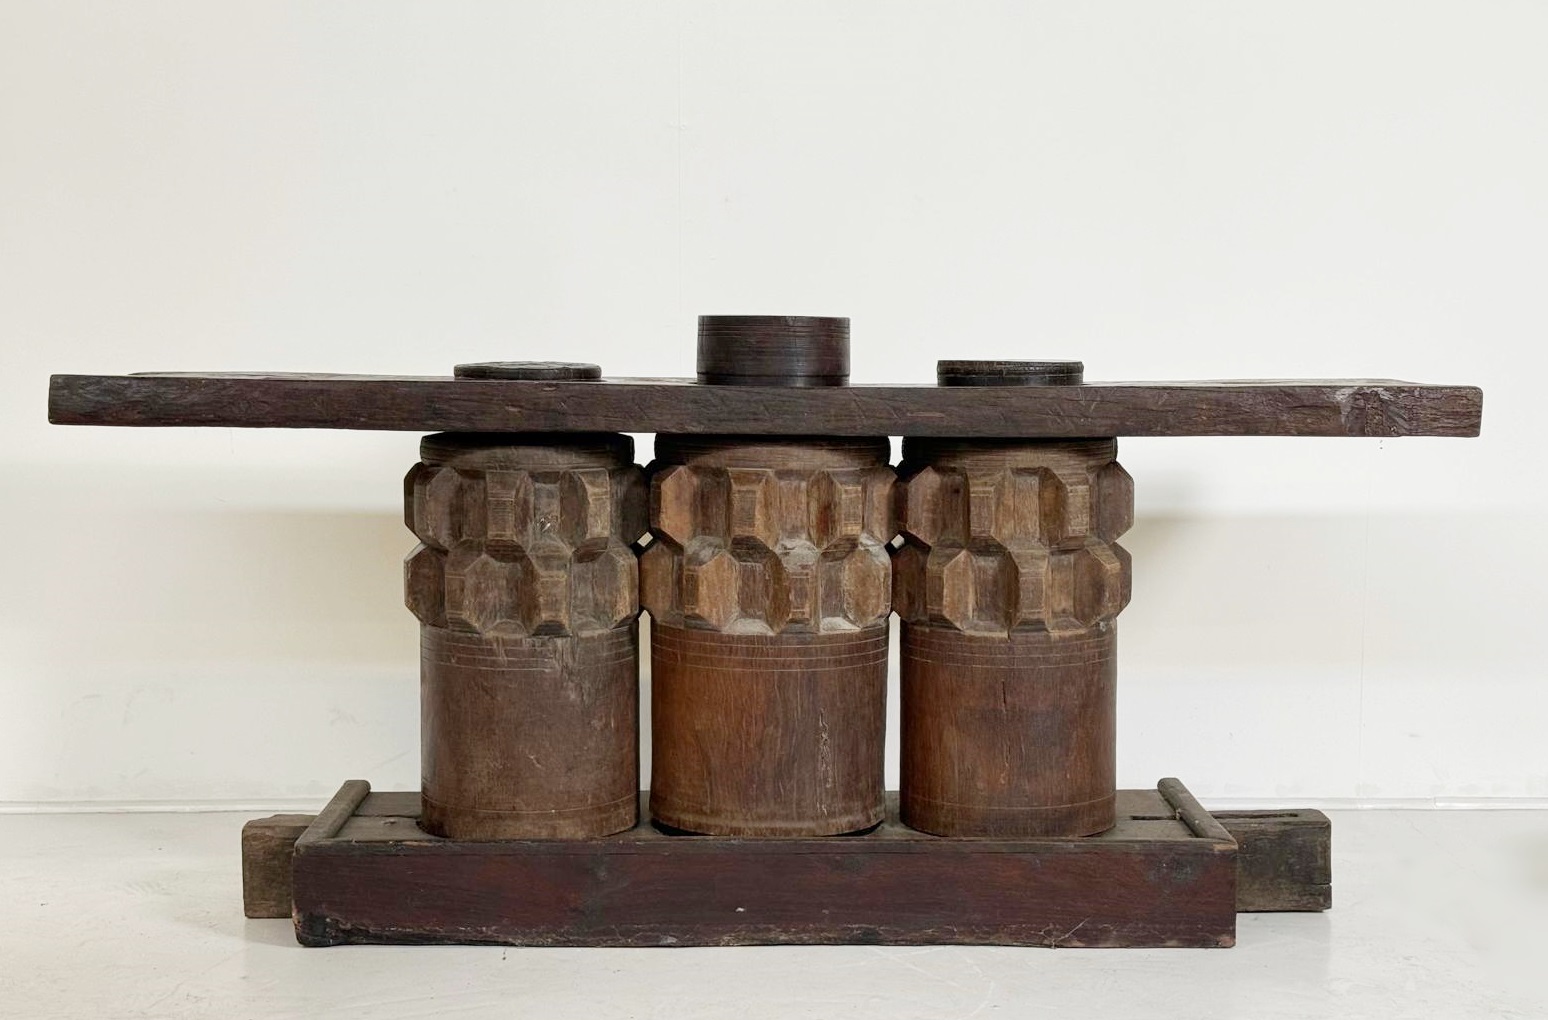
(568, 371)
(1009, 373)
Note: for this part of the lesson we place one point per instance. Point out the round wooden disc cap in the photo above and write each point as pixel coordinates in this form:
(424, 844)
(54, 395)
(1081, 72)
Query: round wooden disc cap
(540, 371)
(773, 350)
(1009, 373)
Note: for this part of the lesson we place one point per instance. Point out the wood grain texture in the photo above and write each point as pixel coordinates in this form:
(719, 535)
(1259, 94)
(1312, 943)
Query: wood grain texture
(1327, 407)
(1148, 881)
(1008, 583)
(268, 846)
(525, 584)
(768, 585)
(767, 735)
(1284, 859)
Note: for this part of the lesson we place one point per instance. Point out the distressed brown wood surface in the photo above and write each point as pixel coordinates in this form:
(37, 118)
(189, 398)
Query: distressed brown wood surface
(370, 875)
(526, 587)
(1284, 859)
(268, 846)
(1321, 407)
(769, 588)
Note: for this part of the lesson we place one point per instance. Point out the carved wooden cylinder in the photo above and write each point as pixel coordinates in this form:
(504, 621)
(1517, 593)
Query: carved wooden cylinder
(526, 587)
(769, 590)
(1008, 584)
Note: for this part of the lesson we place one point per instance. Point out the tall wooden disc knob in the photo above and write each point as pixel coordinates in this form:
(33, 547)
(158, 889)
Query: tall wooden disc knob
(773, 350)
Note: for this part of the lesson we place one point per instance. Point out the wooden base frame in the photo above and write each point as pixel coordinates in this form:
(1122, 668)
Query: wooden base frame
(1165, 875)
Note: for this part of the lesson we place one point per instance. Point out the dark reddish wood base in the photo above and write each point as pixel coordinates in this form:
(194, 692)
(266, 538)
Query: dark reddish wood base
(1165, 875)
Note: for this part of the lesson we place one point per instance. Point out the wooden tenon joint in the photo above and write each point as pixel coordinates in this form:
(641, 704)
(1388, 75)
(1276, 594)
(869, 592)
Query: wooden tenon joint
(1283, 859)
(268, 849)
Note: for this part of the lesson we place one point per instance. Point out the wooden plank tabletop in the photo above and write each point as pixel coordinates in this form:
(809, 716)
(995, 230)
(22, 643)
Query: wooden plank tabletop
(1313, 407)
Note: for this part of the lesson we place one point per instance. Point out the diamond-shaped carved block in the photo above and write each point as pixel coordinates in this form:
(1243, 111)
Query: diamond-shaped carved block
(710, 580)
(674, 495)
(606, 586)
(754, 511)
(1087, 586)
(762, 590)
(508, 508)
(835, 508)
(483, 593)
(546, 605)
(1040, 501)
(908, 582)
(1113, 490)
(949, 587)
(1031, 585)
(881, 521)
(929, 504)
(631, 501)
(799, 560)
(442, 506)
(586, 505)
(660, 579)
(865, 586)
(424, 584)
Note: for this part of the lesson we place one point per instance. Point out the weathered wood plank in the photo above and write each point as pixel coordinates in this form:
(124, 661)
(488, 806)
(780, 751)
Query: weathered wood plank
(1150, 881)
(1380, 408)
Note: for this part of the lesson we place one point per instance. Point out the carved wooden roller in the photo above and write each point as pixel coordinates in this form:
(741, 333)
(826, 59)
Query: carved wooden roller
(525, 585)
(1008, 585)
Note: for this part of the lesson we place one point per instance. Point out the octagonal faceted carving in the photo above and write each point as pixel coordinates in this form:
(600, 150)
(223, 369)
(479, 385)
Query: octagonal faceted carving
(1086, 586)
(523, 551)
(586, 508)
(660, 581)
(1113, 492)
(483, 593)
(754, 507)
(762, 590)
(710, 580)
(1014, 536)
(674, 495)
(441, 506)
(424, 584)
(631, 503)
(508, 508)
(750, 549)
(1031, 565)
(861, 582)
(836, 506)
(605, 588)
(546, 601)
(909, 565)
(929, 505)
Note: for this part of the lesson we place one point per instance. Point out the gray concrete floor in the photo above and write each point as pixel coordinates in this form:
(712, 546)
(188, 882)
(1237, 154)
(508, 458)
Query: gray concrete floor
(1437, 914)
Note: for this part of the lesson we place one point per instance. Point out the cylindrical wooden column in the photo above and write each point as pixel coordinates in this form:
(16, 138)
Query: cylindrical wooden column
(1008, 585)
(526, 587)
(769, 589)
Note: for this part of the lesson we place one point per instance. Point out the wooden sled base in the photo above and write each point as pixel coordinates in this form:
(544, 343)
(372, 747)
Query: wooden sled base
(1168, 874)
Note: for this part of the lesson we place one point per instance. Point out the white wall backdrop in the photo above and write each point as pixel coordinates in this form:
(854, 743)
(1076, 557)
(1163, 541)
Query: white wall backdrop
(1163, 190)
